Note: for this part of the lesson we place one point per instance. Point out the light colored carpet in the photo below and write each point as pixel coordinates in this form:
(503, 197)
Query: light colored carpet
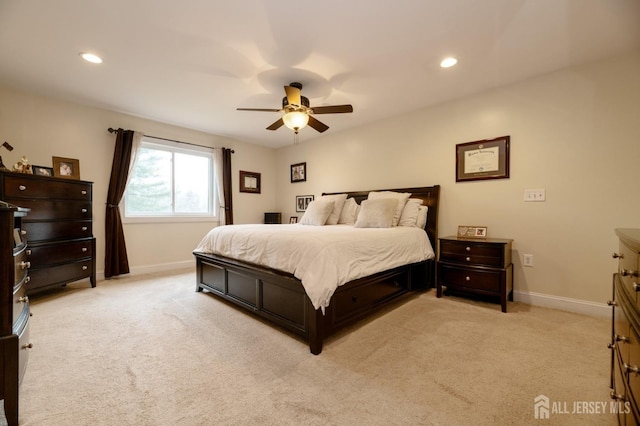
(149, 350)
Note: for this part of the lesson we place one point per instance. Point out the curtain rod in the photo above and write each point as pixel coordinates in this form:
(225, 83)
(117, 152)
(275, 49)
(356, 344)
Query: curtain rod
(112, 130)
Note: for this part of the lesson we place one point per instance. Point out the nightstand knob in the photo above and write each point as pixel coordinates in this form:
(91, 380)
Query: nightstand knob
(84, 228)
(83, 192)
(628, 272)
(616, 256)
(619, 338)
(614, 395)
(467, 278)
(611, 303)
(468, 248)
(84, 210)
(85, 267)
(84, 249)
(27, 346)
(633, 369)
(468, 259)
(636, 286)
(22, 187)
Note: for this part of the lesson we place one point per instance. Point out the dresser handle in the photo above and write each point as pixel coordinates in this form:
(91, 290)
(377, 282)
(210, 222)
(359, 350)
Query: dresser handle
(468, 248)
(28, 252)
(27, 346)
(636, 286)
(84, 228)
(618, 338)
(467, 278)
(628, 272)
(23, 299)
(633, 369)
(85, 267)
(614, 395)
(27, 279)
(84, 249)
(22, 187)
(616, 256)
(84, 210)
(23, 232)
(83, 192)
(468, 259)
(612, 303)
(611, 345)
(25, 265)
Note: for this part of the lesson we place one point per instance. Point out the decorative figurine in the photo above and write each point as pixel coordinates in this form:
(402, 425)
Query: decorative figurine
(23, 166)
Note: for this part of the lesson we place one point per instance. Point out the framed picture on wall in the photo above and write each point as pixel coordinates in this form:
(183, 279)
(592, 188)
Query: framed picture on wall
(485, 159)
(298, 172)
(249, 182)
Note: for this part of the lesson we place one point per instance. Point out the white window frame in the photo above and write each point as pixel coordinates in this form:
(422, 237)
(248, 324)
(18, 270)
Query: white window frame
(185, 148)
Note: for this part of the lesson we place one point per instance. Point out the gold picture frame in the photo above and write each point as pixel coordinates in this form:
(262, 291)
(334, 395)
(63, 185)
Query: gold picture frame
(66, 168)
(472, 231)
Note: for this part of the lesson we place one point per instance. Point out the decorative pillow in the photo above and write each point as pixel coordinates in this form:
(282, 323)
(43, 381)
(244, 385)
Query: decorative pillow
(400, 197)
(349, 212)
(421, 222)
(338, 200)
(409, 215)
(317, 213)
(377, 213)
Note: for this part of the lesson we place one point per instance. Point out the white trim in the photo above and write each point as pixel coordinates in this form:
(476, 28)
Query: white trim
(564, 304)
(150, 269)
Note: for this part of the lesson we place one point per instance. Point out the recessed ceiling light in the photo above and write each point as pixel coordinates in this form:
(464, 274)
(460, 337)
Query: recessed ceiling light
(90, 57)
(448, 62)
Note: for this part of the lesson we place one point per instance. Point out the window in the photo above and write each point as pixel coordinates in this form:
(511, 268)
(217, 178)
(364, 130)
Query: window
(170, 182)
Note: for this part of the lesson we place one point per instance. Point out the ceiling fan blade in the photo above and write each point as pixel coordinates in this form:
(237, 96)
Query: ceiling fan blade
(316, 124)
(333, 109)
(276, 125)
(293, 95)
(258, 109)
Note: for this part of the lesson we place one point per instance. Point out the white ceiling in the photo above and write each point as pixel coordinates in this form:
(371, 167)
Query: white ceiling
(193, 62)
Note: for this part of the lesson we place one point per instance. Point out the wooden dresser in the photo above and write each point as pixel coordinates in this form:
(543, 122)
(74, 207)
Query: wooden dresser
(625, 336)
(59, 227)
(480, 266)
(14, 310)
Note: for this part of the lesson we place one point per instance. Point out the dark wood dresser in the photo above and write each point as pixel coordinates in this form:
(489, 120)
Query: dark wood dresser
(480, 266)
(625, 336)
(58, 227)
(14, 309)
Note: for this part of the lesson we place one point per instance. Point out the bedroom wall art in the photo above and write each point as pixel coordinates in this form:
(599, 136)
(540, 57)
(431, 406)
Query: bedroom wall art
(249, 182)
(485, 159)
(299, 172)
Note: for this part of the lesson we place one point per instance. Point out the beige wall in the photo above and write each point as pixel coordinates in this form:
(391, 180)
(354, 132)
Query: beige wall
(575, 133)
(40, 128)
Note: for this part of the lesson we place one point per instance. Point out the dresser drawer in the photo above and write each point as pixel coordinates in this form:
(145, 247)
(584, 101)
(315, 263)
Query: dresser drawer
(55, 209)
(60, 274)
(48, 254)
(475, 253)
(476, 279)
(39, 231)
(32, 187)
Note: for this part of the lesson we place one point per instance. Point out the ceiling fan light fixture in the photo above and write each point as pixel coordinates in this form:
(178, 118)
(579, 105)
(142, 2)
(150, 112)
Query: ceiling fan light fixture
(295, 120)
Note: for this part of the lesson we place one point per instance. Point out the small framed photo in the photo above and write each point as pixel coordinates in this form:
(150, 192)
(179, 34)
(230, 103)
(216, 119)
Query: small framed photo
(299, 172)
(68, 168)
(42, 171)
(249, 182)
(293, 219)
(302, 202)
(472, 232)
(485, 159)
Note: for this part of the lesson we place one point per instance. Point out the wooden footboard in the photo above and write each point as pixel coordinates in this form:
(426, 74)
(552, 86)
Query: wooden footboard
(280, 297)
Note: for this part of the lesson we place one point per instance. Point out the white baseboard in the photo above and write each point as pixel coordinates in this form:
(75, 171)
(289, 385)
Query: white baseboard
(564, 304)
(151, 269)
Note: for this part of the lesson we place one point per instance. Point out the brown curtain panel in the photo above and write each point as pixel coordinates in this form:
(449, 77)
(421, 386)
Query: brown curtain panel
(116, 261)
(226, 183)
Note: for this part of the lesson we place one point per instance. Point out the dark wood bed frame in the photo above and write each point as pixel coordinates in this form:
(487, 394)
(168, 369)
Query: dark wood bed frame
(280, 297)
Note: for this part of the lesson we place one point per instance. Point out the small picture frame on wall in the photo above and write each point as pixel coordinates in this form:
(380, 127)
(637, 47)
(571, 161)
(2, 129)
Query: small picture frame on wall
(42, 171)
(485, 159)
(67, 168)
(472, 232)
(302, 202)
(299, 172)
(249, 182)
(293, 219)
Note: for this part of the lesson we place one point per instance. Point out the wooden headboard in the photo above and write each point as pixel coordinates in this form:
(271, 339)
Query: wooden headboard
(430, 196)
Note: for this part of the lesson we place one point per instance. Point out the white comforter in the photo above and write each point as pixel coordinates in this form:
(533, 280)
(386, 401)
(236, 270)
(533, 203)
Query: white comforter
(321, 257)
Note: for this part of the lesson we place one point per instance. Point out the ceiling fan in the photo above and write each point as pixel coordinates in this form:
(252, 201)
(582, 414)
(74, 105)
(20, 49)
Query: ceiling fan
(298, 113)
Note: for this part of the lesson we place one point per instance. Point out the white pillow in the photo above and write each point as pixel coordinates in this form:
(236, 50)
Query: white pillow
(317, 213)
(377, 213)
(349, 212)
(400, 197)
(421, 222)
(409, 215)
(338, 200)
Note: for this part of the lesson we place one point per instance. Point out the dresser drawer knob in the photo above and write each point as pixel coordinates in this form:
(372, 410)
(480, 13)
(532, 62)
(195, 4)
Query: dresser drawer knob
(611, 303)
(25, 265)
(468, 248)
(467, 278)
(28, 252)
(23, 232)
(636, 286)
(22, 188)
(85, 267)
(617, 256)
(84, 228)
(27, 279)
(611, 345)
(23, 299)
(84, 210)
(632, 369)
(628, 273)
(83, 192)
(617, 396)
(27, 346)
(619, 338)
(84, 249)
(468, 259)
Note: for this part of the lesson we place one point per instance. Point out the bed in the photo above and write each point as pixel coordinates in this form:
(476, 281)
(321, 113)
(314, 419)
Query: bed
(280, 297)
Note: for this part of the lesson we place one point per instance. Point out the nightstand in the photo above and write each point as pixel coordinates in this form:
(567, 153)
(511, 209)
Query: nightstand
(480, 266)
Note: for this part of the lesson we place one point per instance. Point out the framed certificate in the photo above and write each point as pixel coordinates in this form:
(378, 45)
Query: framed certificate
(485, 159)
(249, 182)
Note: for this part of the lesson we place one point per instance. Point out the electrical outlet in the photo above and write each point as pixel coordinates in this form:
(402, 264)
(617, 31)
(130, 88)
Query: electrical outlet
(527, 260)
(535, 194)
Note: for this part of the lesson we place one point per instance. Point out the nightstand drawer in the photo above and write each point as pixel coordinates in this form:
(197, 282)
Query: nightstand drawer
(473, 252)
(475, 279)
